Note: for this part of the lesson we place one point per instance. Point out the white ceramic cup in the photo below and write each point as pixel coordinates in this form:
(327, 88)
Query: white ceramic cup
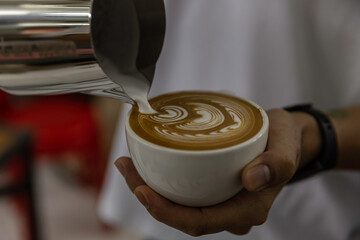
(195, 178)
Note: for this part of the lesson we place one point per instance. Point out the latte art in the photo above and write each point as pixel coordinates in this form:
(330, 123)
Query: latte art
(197, 121)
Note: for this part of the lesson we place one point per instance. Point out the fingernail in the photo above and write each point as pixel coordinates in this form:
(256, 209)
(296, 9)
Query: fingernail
(142, 199)
(259, 177)
(120, 166)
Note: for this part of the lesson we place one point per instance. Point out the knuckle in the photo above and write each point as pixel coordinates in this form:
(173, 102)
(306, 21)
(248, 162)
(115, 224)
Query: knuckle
(288, 167)
(298, 157)
(245, 231)
(258, 214)
(240, 230)
(283, 168)
(287, 162)
(261, 216)
(259, 220)
(157, 214)
(195, 231)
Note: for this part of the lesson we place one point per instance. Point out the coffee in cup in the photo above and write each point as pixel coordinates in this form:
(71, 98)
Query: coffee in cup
(197, 121)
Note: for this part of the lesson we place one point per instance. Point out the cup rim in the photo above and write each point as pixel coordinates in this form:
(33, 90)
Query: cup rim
(253, 139)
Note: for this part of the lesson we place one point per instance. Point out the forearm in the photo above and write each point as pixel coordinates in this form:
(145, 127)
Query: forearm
(347, 127)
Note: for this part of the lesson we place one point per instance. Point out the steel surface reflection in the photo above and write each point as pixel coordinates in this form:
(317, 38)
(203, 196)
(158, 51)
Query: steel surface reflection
(56, 47)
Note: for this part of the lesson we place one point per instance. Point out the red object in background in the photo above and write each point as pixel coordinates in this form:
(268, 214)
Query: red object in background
(61, 125)
(3, 101)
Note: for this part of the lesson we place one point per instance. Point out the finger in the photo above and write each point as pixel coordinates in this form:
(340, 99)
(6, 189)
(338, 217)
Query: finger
(189, 220)
(240, 230)
(192, 221)
(241, 211)
(279, 162)
(128, 170)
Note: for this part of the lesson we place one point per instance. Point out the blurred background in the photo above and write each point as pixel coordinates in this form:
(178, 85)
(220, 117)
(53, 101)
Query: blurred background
(53, 153)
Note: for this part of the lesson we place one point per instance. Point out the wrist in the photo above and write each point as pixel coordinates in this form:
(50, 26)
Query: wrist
(311, 140)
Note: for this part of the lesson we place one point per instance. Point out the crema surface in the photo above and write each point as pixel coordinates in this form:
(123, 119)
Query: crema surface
(197, 121)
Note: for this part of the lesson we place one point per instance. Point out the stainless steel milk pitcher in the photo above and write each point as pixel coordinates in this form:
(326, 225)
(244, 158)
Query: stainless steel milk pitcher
(66, 46)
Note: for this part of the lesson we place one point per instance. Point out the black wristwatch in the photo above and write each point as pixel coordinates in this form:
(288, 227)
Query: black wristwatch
(327, 158)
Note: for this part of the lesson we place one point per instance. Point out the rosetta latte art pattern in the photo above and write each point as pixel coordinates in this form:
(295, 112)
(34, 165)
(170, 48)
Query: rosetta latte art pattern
(197, 121)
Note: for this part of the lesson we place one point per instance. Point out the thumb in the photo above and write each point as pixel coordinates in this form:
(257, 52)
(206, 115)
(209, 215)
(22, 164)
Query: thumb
(268, 170)
(279, 162)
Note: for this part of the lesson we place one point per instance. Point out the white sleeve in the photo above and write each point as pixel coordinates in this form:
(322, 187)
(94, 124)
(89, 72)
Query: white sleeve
(112, 189)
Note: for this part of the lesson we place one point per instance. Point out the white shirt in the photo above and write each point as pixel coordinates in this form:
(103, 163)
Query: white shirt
(276, 53)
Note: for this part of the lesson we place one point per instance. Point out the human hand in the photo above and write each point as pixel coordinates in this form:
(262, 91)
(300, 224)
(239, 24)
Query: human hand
(293, 140)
